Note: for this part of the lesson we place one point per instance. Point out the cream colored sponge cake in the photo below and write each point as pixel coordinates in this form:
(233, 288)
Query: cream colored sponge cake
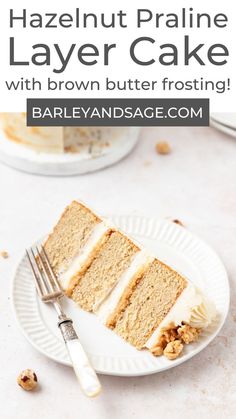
(140, 298)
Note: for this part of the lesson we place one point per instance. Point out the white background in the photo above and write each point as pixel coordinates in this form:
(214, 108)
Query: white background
(121, 65)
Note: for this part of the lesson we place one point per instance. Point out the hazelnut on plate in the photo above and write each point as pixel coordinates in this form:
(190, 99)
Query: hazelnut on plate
(27, 380)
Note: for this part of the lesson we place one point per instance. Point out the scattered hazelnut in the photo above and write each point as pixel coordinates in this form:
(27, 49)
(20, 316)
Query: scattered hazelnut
(173, 349)
(163, 147)
(4, 254)
(27, 380)
(172, 340)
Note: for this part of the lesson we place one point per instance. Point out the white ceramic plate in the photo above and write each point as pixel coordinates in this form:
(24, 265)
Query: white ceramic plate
(109, 353)
(67, 164)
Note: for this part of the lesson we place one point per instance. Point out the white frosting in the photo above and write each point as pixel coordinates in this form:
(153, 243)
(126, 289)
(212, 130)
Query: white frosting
(192, 307)
(141, 259)
(78, 261)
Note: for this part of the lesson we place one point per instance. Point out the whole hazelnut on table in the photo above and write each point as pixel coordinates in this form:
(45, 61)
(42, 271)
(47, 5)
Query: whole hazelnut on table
(27, 380)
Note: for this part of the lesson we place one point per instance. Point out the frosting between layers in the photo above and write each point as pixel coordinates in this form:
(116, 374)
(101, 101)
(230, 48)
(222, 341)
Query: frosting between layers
(192, 307)
(78, 261)
(140, 260)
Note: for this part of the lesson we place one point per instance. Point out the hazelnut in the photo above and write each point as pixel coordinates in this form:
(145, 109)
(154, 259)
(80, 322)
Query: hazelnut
(27, 380)
(4, 254)
(170, 335)
(173, 349)
(159, 347)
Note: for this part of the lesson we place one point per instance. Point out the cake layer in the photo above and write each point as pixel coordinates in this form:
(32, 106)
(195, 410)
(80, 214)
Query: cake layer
(155, 294)
(109, 263)
(70, 236)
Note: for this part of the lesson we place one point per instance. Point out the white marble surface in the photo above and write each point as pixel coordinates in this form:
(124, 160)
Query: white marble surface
(195, 183)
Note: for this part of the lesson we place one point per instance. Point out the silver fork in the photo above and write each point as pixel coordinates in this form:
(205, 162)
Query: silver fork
(49, 291)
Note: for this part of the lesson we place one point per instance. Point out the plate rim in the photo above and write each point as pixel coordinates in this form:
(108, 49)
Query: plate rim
(144, 372)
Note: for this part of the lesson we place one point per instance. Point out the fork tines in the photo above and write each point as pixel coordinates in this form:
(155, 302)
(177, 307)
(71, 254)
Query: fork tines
(46, 281)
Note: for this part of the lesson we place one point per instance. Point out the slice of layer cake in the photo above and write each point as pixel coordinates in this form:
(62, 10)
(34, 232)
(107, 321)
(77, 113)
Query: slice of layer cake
(140, 298)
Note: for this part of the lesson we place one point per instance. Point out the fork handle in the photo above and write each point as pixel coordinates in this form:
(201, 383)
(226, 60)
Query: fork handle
(85, 373)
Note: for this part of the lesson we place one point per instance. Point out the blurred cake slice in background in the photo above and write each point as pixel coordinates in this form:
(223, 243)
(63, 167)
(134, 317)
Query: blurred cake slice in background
(110, 261)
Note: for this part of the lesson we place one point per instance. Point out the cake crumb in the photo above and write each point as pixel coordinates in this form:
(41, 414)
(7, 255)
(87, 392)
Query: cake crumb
(173, 349)
(4, 254)
(27, 380)
(188, 334)
(163, 147)
(176, 221)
